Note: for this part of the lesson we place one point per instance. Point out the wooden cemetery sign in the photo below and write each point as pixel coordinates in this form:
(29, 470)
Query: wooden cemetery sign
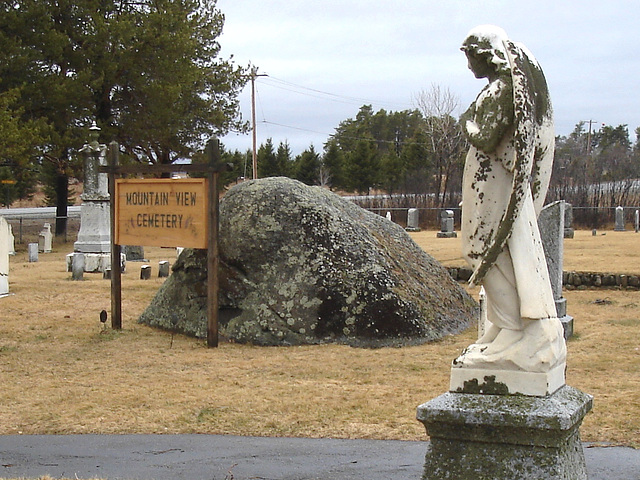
(162, 212)
(165, 213)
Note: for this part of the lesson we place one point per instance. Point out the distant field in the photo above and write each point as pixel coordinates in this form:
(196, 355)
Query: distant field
(62, 373)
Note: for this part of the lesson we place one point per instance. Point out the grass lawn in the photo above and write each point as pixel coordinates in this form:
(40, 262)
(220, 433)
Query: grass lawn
(62, 373)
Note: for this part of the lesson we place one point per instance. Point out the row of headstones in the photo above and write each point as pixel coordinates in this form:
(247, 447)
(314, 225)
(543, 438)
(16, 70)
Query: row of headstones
(447, 222)
(76, 263)
(620, 221)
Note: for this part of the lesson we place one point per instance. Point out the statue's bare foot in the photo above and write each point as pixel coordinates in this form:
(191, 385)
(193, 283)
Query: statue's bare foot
(505, 339)
(489, 335)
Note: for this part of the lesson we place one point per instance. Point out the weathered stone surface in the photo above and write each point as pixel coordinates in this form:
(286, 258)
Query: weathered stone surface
(500, 437)
(300, 265)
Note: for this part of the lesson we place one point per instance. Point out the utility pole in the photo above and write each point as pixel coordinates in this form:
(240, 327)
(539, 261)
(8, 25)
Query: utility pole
(254, 74)
(589, 137)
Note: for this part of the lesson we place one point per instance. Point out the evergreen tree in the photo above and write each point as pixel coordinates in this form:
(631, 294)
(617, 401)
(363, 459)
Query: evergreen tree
(362, 165)
(333, 162)
(284, 159)
(267, 161)
(308, 166)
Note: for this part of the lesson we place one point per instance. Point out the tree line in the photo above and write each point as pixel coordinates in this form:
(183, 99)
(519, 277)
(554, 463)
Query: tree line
(417, 151)
(419, 155)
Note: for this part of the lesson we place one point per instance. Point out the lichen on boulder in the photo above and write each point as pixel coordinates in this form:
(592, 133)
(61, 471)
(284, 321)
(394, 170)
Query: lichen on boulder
(301, 265)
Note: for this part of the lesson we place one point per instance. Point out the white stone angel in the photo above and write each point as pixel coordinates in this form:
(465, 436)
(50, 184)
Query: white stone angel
(506, 175)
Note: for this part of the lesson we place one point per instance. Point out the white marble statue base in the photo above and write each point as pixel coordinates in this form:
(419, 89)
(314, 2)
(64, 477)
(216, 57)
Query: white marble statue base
(513, 382)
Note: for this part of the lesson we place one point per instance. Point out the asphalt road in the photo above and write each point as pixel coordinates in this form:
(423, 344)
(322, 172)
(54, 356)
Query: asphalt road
(215, 457)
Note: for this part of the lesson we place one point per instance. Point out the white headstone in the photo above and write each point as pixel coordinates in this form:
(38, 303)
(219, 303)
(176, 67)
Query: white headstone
(32, 248)
(619, 219)
(4, 256)
(45, 239)
(389, 216)
(12, 241)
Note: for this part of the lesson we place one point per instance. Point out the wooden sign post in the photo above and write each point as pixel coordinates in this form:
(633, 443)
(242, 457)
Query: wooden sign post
(166, 213)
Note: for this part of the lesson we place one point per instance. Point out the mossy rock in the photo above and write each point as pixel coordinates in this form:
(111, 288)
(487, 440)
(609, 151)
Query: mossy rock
(301, 265)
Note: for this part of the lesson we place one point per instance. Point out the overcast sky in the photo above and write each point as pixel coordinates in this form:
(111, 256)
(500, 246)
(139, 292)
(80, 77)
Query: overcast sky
(326, 58)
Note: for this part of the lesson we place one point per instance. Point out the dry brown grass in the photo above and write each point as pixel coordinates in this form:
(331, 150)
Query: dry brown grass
(609, 251)
(62, 374)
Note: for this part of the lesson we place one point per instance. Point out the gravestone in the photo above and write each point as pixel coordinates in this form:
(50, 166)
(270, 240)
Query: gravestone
(413, 223)
(619, 219)
(133, 253)
(569, 232)
(94, 237)
(145, 272)
(11, 241)
(45, 239)
(551, 225)
(446, 225)
(77, 267)
(163, 269)
(32, 250)
(389, 216)
(4, 257)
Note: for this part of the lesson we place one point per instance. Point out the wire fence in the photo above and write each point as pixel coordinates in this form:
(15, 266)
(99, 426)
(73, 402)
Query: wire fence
(26, 225)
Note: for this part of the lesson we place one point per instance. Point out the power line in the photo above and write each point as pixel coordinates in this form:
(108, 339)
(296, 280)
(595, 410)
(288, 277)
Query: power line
(272, 81)
(368, 139)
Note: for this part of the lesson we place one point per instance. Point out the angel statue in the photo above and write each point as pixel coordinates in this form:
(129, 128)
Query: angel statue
(510, 129)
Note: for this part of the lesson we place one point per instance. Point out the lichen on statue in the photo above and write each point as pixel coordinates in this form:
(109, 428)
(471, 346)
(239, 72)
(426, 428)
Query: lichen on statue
(510, 129)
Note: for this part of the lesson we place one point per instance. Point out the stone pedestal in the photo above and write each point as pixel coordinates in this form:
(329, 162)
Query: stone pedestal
(95, 227)
(514, 437)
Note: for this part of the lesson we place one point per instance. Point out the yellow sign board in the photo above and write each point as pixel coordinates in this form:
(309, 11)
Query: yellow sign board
(162, 212)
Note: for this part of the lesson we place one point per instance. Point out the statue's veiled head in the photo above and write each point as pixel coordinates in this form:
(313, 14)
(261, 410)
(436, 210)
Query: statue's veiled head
(485, 51)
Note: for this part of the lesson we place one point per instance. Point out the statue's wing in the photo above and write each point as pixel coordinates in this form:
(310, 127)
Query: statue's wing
(524, 140)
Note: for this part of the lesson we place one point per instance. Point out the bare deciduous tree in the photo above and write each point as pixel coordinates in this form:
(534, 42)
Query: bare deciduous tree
(440, 107)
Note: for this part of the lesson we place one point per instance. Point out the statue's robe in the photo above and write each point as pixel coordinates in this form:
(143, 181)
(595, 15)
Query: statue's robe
(504, 190)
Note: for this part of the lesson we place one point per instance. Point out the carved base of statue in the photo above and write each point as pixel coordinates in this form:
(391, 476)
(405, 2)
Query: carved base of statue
(528, 362)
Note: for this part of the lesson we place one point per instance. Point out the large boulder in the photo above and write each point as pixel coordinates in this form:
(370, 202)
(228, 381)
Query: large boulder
(301, 265)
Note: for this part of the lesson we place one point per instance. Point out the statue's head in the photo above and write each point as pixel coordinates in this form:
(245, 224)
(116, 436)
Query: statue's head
(485, 49)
